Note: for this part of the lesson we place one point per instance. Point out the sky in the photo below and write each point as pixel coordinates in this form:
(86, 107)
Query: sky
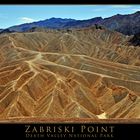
(18, 14)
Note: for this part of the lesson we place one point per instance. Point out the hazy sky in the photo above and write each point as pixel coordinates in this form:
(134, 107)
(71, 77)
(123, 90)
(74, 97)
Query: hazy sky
(17, 14)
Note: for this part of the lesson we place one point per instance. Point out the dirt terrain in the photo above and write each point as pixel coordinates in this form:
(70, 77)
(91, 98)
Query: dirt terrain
(84, 73)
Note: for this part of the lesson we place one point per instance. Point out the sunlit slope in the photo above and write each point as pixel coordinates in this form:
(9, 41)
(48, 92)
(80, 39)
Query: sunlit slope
(87, 73)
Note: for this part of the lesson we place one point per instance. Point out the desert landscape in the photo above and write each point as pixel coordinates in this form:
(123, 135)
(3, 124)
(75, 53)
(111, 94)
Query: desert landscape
(78, 73)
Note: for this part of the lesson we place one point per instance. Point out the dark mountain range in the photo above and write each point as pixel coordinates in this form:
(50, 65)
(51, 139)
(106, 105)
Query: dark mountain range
(6, 31)
(83, 23)
(56, 23)
(52, 23)
(126, 24)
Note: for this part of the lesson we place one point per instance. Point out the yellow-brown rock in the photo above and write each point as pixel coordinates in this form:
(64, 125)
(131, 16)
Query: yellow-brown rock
(86, 73)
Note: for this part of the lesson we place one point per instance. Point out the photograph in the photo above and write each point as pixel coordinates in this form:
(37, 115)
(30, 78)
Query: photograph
(70, 71)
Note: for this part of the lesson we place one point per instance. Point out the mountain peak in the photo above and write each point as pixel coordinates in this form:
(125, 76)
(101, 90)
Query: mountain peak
(138, 12)
(60, 19)
(117, 16)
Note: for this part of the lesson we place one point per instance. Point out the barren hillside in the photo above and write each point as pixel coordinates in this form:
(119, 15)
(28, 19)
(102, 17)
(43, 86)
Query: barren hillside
(81, 73)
